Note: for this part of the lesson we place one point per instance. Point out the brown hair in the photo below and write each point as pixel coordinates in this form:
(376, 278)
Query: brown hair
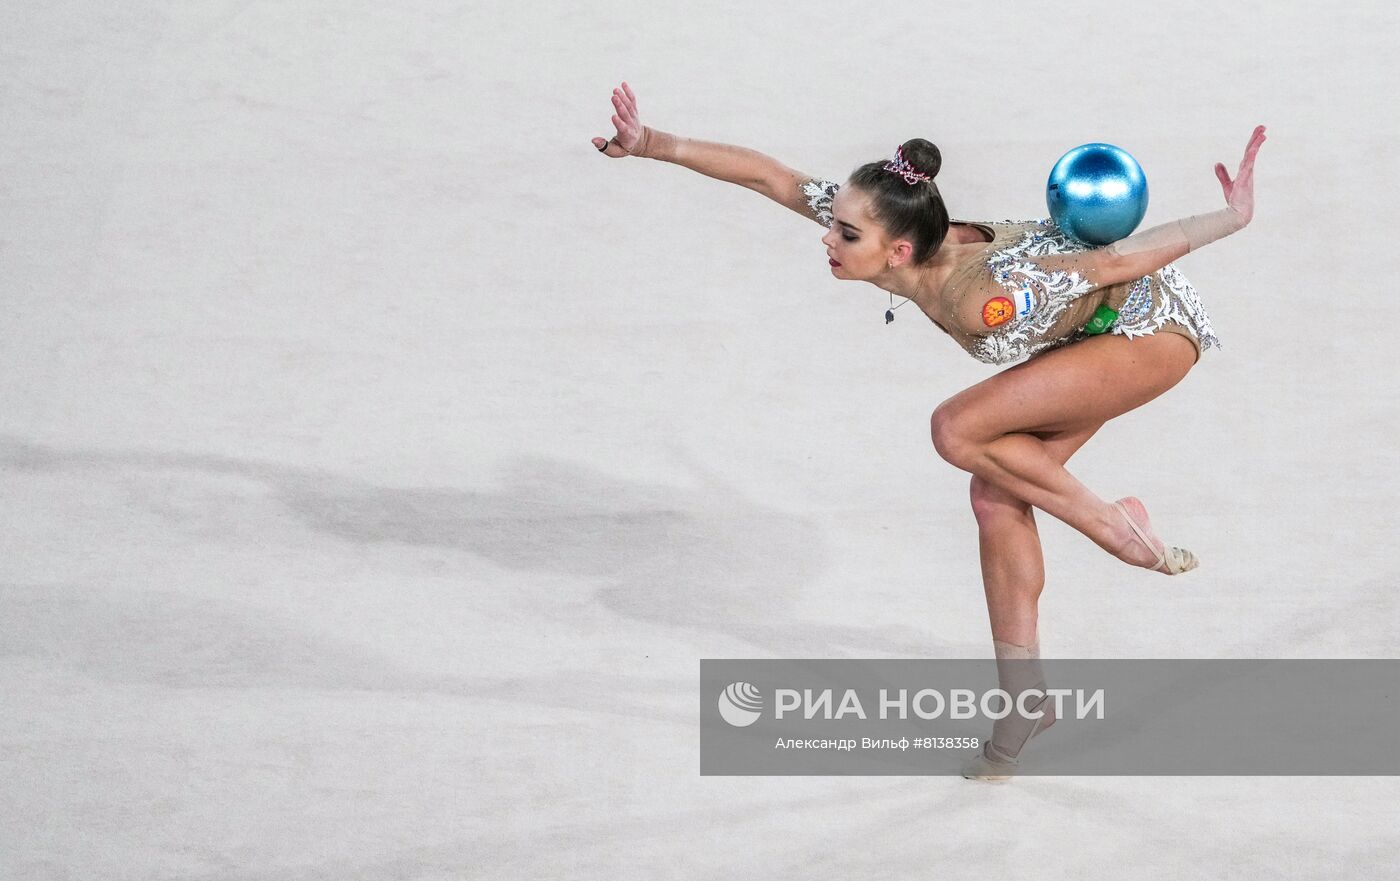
(908, 211)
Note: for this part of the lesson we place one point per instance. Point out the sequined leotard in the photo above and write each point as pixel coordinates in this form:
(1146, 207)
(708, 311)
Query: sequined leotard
(1051, 307)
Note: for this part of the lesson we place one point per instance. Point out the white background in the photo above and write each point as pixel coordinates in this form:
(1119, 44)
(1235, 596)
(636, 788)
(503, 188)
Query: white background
(377, 460)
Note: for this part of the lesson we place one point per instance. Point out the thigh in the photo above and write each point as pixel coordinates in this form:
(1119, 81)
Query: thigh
(1072, 388)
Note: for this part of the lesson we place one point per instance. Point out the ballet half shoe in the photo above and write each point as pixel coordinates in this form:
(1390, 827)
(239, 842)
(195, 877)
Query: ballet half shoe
(986, 767)
(1176, 560)
(991, 764)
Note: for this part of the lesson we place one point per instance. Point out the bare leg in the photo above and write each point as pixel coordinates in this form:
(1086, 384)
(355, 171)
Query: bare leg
(1013, 568)
(1013, 576)
(1014, 432)
(996, 429)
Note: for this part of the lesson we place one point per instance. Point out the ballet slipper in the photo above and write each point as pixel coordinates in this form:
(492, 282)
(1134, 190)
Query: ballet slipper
(1018, 670)
(993, 764)
(983, 767)
(1176, 560)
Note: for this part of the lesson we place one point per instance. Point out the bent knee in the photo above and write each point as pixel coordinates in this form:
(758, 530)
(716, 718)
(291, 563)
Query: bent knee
(950, 439)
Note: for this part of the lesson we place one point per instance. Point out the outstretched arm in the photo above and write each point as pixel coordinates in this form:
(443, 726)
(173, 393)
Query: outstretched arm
(1143, 253)
(1148, 251)
(1059, 291)
(727, 162)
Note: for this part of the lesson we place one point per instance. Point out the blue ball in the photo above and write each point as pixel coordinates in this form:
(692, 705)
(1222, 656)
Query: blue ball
(1097, 193)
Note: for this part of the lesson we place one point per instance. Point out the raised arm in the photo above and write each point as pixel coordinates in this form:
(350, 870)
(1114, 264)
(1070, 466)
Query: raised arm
(1148, 251)
(1143, 253)
(727, 162)
(1057, 292)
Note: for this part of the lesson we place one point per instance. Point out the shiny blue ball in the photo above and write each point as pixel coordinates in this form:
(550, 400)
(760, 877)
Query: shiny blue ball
(1097, 193)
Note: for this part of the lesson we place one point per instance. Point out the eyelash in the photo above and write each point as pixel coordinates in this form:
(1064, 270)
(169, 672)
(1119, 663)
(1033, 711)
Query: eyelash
(848, 238)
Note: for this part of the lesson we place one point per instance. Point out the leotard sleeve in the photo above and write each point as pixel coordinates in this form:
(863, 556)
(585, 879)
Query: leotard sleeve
(819, 192)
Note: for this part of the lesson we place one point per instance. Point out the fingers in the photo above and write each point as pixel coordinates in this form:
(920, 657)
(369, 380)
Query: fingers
(1224, 177)
(1251, 150)
(624, 120)
(1255, 141)
(624, 111)
(624, 107)
(1246, 169)
(609, 147)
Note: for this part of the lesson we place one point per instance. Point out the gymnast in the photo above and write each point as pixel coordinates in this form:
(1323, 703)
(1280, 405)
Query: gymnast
(1006, 292)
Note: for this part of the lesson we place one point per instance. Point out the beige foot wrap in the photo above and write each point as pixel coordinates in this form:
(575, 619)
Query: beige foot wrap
(1177, 560)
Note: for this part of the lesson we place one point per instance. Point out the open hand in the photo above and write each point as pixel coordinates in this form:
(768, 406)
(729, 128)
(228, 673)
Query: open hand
(629, 129)
(1239, 193)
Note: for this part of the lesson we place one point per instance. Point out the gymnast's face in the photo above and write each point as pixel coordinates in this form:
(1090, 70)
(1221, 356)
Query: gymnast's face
(857, 247)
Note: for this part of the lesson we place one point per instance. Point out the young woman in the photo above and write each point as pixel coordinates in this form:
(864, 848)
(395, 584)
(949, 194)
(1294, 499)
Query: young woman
(1006, 291)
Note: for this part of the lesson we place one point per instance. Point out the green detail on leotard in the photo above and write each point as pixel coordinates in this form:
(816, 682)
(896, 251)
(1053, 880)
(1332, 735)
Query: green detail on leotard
(1102, 320)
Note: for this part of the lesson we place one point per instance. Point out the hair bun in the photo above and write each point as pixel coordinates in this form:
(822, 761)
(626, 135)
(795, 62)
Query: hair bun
(923, 155)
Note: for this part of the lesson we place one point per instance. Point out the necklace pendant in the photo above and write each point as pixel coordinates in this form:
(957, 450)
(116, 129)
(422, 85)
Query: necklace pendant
(889, 315)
